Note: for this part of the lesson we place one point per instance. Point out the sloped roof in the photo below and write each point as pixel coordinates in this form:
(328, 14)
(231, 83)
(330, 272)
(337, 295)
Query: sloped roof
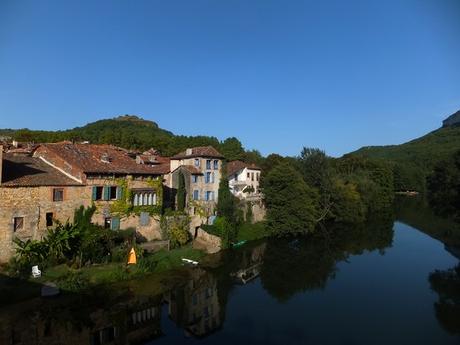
(201, 151)
(27, 171)
(235, 166)
(191, 169)
(104, 159)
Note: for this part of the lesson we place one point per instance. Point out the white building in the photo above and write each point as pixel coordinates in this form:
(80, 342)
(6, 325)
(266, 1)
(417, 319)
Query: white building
(243, 179)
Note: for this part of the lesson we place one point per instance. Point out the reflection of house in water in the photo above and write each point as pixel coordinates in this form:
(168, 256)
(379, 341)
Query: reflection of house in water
(195, 306)
(132, 322)
(251, 265)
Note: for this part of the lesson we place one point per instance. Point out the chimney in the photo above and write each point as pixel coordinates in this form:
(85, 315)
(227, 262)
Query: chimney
(1, 163)
(188, 152)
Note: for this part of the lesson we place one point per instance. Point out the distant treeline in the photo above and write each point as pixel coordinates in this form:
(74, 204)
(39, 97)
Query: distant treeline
(132, 132)
(414, 161)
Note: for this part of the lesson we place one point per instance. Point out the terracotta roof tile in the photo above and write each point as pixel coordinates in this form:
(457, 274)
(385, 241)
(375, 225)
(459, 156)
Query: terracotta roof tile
(235, 166)
(192, 169)
(201, 151)
(26, 171)
(103, 159)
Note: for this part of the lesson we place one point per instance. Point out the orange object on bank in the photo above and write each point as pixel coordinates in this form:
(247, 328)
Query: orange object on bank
(132, 257)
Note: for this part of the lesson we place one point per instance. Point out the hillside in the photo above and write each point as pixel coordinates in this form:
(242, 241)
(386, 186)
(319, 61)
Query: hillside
(420, 154)
(133, 132)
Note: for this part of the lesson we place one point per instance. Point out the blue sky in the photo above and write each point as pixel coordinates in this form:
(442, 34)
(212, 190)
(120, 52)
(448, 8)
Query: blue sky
(277, 74)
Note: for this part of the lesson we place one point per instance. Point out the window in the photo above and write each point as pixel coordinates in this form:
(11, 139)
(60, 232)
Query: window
(209, 196)
(213, 176)
(197, 162)
(107, 223)
(236, 177)
(208, 164)
(58, 194)
(196, 194)
(257, 176)
(97, 193)
(216, 164)
(18, 223)
(144, 198)
(252, 176)
(208, 177)
(113, 193)
(49, 219)
(249, 175)
(195, 178)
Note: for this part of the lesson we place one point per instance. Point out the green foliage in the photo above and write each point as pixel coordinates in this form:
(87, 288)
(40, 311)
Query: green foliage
(291, 203)
(416, 159)
(73, 281)
(444, 187)
(232, 149)
(252, 232)
(124, 207)
(77, 244)
(249, 214)
(227, 231)
(226, 204)
(181, 193)
(347, 204)
(175, 229)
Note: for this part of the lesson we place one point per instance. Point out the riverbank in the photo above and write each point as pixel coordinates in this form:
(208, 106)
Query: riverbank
(163, 268)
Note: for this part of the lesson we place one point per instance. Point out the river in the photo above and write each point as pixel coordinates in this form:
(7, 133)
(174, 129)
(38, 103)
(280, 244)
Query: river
(392, 281)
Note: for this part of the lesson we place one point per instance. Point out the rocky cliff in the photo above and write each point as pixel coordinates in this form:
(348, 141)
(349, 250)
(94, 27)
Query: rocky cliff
(452, 120)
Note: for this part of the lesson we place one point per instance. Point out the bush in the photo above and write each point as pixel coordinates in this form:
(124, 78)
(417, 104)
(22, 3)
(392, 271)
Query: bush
(73, 281)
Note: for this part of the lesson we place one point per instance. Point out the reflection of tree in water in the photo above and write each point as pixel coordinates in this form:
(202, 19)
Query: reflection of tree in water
(296, 265)
(447, 285)
(416, 212)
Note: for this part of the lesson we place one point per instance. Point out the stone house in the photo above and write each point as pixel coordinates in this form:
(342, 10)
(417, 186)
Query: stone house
(202, 169)
(127, 188)
(243, 179)
(32, 196)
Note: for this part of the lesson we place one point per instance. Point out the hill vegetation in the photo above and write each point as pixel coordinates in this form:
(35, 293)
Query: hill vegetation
(133, 132)
(413, 161)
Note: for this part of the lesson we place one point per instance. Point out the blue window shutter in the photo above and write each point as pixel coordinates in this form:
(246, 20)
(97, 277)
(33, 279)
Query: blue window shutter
(144, 219)
(115, 223)
(94, 193)
(106, 193)
(119, 193)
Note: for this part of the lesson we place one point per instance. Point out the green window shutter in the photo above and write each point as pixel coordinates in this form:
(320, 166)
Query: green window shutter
(115, 223)
(106, 193)
(94, 193)
(120, 193)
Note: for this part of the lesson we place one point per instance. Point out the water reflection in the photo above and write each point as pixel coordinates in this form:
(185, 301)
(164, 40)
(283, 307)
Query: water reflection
(199, 302)
(446, 283)
(293, 266)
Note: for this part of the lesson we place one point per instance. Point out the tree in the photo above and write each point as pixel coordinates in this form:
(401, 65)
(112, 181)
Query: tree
(444, 187)
(315, 167)
(226, 206)
(292, 205)
(232, 149)
(181, 193)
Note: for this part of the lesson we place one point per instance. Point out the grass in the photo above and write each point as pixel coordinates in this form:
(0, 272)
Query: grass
(160, 270)
(246, 232)
(252, 232)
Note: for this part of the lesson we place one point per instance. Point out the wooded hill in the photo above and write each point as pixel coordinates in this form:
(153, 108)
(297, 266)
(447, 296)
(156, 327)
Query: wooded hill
(133, 132)
(414, 161)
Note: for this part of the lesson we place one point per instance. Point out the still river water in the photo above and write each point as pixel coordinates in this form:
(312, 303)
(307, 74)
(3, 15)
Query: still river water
(392, 281)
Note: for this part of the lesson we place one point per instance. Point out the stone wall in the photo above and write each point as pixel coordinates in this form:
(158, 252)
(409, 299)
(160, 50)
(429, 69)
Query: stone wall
(33, 203)
(149, 231)
(211, 243)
